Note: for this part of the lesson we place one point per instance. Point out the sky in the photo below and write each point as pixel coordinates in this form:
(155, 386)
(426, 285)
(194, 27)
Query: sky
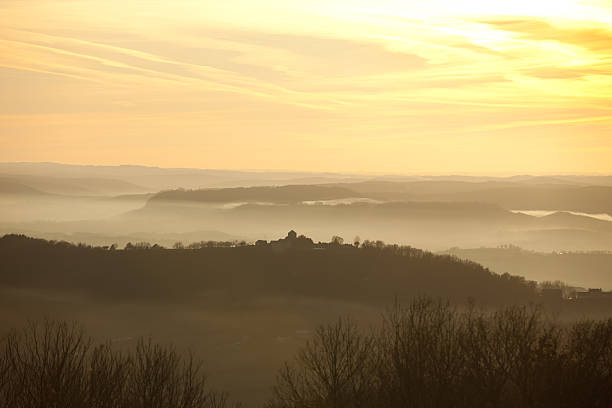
(384, 86)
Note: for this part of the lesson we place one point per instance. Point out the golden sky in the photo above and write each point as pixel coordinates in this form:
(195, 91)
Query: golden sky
(383, 86)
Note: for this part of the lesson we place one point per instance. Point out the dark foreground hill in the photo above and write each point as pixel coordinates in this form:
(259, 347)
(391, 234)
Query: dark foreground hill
(243, 308)
(424, 354)
(370, 274)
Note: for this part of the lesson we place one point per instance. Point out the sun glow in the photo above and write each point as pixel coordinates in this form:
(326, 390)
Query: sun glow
(393, 86)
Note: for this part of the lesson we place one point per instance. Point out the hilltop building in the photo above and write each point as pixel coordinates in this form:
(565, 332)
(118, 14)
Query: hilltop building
(594, 294)
(292, 240)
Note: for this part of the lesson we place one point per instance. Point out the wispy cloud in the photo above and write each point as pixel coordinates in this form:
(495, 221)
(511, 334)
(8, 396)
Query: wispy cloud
(384, 73)
(594, 39)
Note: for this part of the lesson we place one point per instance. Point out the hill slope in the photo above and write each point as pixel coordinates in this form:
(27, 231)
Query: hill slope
(369, 275)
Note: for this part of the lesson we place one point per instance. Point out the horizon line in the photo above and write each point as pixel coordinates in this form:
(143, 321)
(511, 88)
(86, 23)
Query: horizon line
(495, 174)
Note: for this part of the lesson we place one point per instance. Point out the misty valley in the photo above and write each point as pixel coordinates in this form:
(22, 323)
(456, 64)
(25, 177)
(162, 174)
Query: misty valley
(182, 287)
(105, 205)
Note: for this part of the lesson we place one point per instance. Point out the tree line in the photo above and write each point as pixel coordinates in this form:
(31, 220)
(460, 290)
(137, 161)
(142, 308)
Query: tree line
(426, 353)
(430, 354)
(369, 273)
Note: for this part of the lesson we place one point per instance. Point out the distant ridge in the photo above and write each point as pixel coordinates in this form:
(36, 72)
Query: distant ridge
(281, 194)
(9, 186)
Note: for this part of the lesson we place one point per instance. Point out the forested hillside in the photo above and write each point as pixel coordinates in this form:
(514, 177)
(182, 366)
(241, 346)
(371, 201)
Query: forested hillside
(371, 273)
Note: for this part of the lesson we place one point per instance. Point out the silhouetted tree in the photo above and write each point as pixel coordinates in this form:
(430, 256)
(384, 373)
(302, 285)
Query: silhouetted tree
(336, 240)
(54, 364)
(333, 370)
(430, 354)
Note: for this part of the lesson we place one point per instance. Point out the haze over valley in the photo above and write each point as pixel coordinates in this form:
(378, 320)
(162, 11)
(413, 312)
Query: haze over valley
(431, 212)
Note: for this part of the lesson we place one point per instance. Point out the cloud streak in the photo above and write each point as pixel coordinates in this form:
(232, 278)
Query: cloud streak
(374, 77)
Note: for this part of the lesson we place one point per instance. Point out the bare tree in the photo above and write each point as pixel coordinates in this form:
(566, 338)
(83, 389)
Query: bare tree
(587, 373)
(161, 378)
(430, 354)
(422, 354)
(333, 370)
(47, 365)
(53, 364)
(108, 373)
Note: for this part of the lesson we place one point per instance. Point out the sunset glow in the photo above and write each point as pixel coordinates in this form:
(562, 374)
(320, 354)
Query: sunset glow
(336, 85)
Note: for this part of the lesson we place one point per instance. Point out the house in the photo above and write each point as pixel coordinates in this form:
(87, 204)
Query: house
(594, 294)
(292, 240)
